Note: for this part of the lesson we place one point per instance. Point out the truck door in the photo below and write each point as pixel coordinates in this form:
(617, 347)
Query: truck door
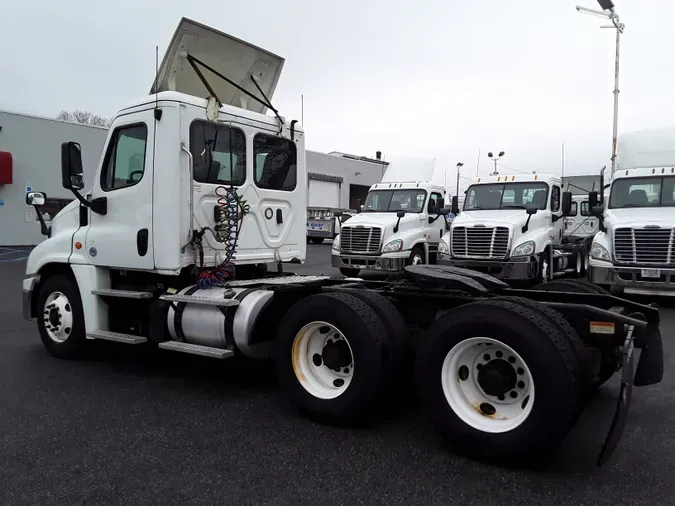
(435, 230)
(123, 236)
(558, 224)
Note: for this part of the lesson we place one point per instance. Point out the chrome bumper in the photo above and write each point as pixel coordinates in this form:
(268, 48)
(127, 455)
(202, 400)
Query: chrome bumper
(362, 262)
(630, 279)
(27, 296)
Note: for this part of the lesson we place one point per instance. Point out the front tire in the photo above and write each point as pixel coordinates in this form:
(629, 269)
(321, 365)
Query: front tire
(417, 256)
(332, 358)
(316, 240)
(60, 317)
(499, 383)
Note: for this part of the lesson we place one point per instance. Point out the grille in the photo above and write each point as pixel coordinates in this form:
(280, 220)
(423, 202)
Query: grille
(480, 242)
(360, 239)
(643, 245)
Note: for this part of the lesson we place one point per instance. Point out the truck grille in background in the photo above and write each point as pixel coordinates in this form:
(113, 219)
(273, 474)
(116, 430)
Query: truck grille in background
(360, 239)
(643, 245)
(480, 242)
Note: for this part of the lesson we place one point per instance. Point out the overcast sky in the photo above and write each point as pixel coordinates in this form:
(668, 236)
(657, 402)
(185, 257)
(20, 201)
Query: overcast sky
(430, 78)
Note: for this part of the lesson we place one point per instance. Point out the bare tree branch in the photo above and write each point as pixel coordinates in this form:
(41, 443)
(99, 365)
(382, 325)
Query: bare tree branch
(84, 117)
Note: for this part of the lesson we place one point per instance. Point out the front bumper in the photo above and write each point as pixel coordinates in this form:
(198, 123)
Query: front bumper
(27, 296)
(631, 280)
(506, 270)
(388, 263)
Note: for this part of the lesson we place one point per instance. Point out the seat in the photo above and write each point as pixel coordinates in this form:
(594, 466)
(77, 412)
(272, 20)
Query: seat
(638, 198)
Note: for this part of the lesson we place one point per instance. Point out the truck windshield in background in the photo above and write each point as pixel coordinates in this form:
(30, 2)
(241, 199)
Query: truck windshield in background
(482, 197)
(643, 192)
(391, 201)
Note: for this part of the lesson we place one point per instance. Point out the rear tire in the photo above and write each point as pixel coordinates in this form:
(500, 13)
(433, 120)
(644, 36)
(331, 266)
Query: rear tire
(314, 373)
(529, 428)
(60, 317)
(610, 358)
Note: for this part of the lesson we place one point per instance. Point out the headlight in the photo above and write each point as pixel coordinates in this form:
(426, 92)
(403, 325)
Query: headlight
(443, 248)
(395, 245)
(599, 253)
(525, 249)
(336, 244)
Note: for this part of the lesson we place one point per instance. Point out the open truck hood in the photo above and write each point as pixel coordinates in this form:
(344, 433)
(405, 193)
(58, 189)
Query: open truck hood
(235, 59)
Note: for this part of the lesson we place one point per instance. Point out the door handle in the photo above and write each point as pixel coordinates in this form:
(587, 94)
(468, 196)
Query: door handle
(280, 218)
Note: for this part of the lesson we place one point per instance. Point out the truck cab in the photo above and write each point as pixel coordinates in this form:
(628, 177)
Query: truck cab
(512, 227)
(400, 223)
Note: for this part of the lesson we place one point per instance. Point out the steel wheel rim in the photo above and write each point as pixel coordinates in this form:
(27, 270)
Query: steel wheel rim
(417, 259)
(544, 271)
(57, 316)
(314, 353)
(465, 386)
(579, 263)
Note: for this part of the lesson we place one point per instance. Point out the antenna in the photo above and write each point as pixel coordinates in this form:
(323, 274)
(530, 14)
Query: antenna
(478, 163)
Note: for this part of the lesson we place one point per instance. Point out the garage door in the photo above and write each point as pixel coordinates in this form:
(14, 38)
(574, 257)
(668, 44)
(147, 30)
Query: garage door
(324, 194)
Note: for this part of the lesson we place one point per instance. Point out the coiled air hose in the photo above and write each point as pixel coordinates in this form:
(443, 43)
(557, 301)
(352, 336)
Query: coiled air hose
(232, 211)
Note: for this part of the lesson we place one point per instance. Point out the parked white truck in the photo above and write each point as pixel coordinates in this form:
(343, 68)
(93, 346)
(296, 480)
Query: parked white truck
(512, 227)
(401, 222)
(191, 192)
(634, 252)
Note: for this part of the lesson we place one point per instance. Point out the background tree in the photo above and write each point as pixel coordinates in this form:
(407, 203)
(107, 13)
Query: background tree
(84, 117)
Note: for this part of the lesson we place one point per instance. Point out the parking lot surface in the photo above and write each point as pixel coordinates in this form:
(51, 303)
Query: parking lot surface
(131, 426)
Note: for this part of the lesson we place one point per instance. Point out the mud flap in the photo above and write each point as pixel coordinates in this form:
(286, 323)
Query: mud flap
(625, 393)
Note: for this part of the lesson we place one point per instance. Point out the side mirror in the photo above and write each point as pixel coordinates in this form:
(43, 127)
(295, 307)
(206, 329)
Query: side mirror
(400, 214)
(531, 210)
(454, 207)
(592, 199)
(337, 214)
(359, 208)
(36, 198)
(566, 203)
(598, 210)
(431, 208)
(445, 211)
(71, 166)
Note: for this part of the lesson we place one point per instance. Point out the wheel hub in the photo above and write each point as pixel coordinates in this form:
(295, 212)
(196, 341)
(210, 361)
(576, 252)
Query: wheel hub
(54, 317)
(497, 377)
(58, 317)
(336, 355)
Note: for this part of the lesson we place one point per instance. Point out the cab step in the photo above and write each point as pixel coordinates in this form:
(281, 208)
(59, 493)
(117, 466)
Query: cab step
(107, 335)
(196, 349)
(200, 299)
(123, 294)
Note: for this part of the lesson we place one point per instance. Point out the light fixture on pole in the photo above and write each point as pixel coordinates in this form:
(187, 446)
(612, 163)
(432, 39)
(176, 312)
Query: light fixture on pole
(494, 159)
(459, 165)
(608, 12)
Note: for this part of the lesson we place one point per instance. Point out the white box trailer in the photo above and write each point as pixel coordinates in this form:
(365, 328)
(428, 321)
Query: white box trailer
(29, 150)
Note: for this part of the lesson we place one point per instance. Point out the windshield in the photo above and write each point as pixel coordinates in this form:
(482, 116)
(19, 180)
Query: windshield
(386, 201)
(643, 192)
(482, 197)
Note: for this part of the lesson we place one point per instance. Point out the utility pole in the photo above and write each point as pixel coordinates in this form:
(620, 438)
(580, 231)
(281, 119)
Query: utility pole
(608, 12)
(494, 159)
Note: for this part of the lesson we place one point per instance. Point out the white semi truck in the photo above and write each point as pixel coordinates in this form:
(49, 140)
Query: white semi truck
(401, 223)
(634, 251)
(191, 192)
(512, 227)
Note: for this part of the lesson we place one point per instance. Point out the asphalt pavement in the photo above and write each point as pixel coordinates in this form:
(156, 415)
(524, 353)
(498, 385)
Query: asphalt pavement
(136, 427)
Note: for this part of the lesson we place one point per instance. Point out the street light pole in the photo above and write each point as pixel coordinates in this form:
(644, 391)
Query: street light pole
(459, 165)
(608, 5)
(494, 159)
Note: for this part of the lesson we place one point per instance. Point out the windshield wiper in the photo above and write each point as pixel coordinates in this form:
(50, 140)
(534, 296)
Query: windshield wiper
(513, 207)
(475, 208)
